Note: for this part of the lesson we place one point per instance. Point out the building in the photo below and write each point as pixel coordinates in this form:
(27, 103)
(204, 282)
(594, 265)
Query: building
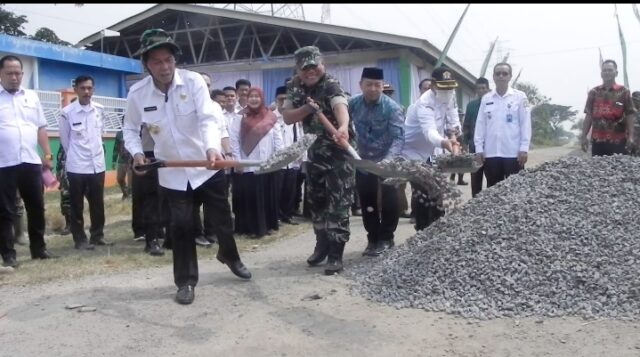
(50, 69)
(230, 45)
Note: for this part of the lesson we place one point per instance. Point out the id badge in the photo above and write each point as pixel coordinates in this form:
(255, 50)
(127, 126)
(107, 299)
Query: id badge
(509, 118)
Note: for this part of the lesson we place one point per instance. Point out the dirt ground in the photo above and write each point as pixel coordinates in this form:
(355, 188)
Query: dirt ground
(274, 314)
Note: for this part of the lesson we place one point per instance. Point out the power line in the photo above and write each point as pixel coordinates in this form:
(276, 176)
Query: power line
(51, 17)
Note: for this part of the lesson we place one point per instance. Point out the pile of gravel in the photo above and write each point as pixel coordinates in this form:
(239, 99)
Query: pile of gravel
(559, 240)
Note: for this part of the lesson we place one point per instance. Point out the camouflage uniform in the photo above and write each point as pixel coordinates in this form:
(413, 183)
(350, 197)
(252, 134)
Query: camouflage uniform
(122, 160)
(65, 196)
(330, 179)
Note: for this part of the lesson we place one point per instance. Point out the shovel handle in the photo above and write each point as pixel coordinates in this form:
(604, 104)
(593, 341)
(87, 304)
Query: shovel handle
(334, 132)
(219, 165)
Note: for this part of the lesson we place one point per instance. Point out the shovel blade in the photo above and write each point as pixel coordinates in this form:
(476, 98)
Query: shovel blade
(284, 157)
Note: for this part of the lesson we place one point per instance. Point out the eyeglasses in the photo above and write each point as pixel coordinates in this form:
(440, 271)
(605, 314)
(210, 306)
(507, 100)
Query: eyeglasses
(505, 74)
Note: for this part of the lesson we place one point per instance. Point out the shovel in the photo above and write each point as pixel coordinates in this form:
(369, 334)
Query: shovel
(457, 163)
(278, 160)
(334, 133)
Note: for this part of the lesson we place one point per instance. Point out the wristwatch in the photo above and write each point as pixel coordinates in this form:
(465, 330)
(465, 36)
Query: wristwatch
(48, 157)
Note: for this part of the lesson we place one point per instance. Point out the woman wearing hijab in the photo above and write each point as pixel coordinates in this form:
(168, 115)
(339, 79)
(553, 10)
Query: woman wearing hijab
(255, 137)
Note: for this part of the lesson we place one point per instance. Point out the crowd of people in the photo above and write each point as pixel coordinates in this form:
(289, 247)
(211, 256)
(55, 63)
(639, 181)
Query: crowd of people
(174, 114)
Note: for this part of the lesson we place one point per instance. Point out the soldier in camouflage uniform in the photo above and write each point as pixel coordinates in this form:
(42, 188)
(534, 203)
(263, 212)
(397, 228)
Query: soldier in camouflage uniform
(65, 197)
(330, 178)
(379, 121)
(121, 160)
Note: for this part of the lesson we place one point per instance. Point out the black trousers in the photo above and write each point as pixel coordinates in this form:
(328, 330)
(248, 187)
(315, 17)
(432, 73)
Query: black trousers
(272, 189)
(200, 229)
(213, 194)
(90, 186)
(288, 193)
(424, 206)
(299, 191)
(145, 208)
(608, 149)
(476, 181)
(27, 179)
(497, 169)
(380, 222)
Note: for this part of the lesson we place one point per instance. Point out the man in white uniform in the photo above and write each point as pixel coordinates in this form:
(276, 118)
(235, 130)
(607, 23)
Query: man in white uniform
(175, 106)
(503, 128)
(22, 128)
(424, 130)
(81, 125)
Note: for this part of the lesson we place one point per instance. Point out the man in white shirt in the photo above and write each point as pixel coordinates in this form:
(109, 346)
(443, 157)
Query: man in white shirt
(175, 106)
(81, 126)
(503, 128)
(230, 111)
(424, 130)
(22, 128)
(242, 91)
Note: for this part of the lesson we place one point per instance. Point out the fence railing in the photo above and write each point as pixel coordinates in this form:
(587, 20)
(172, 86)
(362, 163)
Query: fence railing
(113, 109)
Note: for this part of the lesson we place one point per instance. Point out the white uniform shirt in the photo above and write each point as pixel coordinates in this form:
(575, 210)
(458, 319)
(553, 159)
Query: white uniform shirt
(224, 128)
(81, 130)
(270, 143)
(230, 117)
(183, 125)
(287, 136)
(238, 108)
(503, 127)
(21, 116)
(425, 124)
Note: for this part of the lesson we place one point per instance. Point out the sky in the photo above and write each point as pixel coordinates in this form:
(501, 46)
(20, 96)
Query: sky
(555, 45)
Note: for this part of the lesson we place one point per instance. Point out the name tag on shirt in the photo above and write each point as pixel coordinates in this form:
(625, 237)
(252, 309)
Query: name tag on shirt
(76, 124)
(150, 109)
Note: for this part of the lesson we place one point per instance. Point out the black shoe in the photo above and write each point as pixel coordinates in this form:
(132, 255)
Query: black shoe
(289, 220)
(334, 266)
(462, 183)
(167, 244)
(10, 262)
(334, 263)
(384, 245)
(236, 267)
(153, 248)
(211, 239)
(356, 212)
(201, 241)
(370, 249)
(100, 241)
(185, 295)
(84, 245)
(44, 254)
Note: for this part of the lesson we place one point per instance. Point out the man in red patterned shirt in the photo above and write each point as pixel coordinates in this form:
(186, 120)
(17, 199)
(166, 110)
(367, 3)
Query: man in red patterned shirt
(609, 115)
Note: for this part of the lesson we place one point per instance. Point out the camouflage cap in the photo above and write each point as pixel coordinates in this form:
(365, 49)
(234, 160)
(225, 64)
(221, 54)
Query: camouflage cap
(307, 56)
(155, 38)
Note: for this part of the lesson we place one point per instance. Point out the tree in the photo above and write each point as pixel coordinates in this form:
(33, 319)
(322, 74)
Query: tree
(45, 34)
(12, 24)
(547, 119)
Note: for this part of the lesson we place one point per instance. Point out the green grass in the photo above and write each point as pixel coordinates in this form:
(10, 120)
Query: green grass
(123, 256)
